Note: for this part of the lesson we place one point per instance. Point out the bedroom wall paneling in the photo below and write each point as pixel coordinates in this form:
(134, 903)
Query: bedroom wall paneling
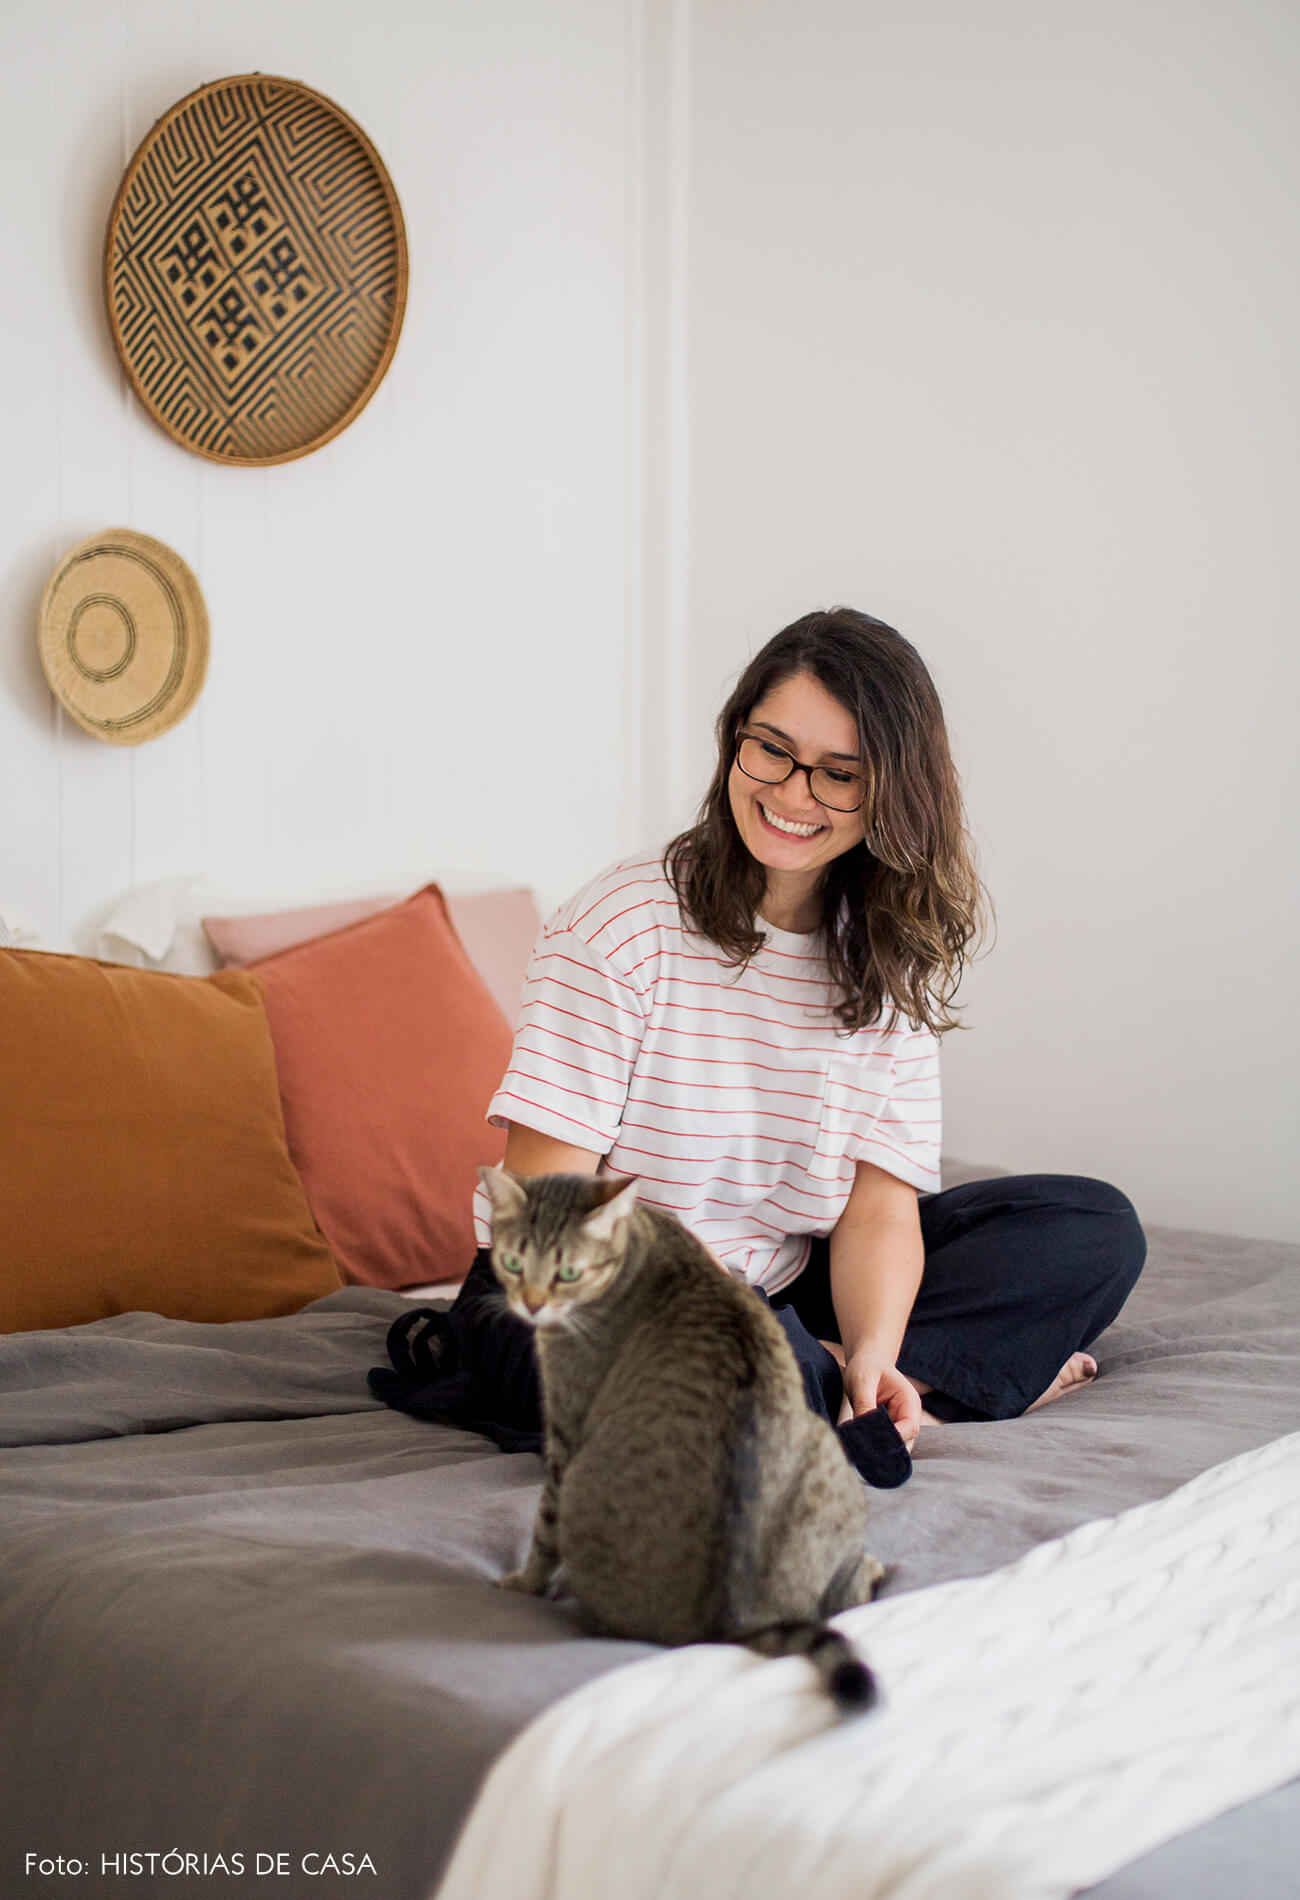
(324, 648)
(422, 534)
(96, 783)
(442, 591)
(535, 363)
(29, 487)
(659, 300)
(244, 748)
(368, 655)
(163, 496)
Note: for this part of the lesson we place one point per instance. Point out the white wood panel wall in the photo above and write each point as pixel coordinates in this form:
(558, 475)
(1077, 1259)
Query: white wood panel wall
(421, 633)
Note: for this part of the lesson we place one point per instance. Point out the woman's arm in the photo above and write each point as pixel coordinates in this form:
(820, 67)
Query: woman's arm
(528, 1152)
(876, 1258)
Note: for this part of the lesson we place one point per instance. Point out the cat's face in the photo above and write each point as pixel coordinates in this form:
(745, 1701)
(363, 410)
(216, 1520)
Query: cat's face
(558, 1240)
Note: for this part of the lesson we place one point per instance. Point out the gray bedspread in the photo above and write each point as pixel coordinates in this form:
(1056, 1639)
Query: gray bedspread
(245, 1610)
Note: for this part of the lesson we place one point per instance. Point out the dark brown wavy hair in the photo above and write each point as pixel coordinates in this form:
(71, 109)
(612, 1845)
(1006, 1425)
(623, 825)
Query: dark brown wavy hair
(902, 911)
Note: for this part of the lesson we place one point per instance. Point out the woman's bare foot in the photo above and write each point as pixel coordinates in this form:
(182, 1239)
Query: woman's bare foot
(1079, 1369)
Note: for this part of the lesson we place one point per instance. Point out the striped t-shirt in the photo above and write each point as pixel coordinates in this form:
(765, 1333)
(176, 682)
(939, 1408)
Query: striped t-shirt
(734, 1096)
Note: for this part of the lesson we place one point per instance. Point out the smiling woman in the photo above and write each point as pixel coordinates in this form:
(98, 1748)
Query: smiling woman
(749, 1023)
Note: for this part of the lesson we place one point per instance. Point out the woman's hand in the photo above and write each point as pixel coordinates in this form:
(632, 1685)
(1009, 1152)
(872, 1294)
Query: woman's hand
(870, 1381)
(877, 1257)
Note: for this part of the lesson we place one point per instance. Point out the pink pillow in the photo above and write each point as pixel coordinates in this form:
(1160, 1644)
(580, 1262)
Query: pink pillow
(388, 1048)
(497, 928)
(244, 939)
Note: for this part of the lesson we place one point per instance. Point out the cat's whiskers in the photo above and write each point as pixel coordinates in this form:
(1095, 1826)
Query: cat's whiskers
(499, 1302)
(577, 1320)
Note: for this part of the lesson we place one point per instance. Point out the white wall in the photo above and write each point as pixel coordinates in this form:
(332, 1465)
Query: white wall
(981, 317)
(401, 618)
(993, 332)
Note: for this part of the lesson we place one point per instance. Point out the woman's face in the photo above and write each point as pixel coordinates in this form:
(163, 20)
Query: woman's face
(806, 721)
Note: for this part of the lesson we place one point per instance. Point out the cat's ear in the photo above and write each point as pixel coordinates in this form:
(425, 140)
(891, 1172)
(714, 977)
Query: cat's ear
(504, 1191)
(618, 1198)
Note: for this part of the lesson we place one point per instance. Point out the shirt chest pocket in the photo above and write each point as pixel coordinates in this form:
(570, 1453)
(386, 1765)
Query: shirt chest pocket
(856, 1092)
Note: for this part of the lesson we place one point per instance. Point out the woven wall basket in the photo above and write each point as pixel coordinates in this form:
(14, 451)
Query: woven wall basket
(255, 270)
(123, 636)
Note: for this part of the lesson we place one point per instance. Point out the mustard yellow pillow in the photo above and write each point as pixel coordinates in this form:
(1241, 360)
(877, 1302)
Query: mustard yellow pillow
(143, 1163)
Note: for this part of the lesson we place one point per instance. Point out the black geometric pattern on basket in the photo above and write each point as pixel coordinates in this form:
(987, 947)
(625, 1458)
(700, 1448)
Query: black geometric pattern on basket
(253, 271)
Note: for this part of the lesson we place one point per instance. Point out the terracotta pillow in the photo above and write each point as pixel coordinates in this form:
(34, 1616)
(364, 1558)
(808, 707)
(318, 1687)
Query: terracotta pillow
(144, 1160)
(389, 1048)
(497, 928)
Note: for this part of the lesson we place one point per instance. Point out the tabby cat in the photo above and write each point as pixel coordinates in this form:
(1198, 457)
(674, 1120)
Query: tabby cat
(690, 1494)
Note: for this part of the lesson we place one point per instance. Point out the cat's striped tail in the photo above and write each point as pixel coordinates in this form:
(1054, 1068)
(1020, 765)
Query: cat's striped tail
(844, 1675)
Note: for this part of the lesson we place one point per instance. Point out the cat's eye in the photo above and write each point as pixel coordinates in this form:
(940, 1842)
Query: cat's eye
(510, 1263)
(569, 1273)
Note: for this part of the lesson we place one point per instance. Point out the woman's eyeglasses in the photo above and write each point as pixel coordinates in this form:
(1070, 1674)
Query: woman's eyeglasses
(771, 764)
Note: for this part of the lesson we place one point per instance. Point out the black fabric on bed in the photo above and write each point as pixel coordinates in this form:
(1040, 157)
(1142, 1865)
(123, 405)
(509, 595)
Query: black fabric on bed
(1020, 1272)
(474, 1366)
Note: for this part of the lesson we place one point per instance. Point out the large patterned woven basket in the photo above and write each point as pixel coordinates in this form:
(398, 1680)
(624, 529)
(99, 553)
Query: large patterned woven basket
(255, 270)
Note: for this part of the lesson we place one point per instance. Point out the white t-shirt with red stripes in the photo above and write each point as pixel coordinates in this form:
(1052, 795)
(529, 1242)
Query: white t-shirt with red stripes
(733, 1094)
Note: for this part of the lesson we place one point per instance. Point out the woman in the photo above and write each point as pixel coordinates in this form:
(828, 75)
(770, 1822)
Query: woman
(750, 1025)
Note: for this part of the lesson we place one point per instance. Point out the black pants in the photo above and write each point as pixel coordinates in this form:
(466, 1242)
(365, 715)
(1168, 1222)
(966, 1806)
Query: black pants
(1020, 1272)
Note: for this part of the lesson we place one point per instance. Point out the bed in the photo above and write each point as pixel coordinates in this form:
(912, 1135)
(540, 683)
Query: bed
(247, 1611)
(249, 1635)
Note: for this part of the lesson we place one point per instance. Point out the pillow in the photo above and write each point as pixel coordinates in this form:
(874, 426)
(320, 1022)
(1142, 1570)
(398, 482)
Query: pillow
(497, 928)
(243, 939)
(389, 1049)
(144, 1158)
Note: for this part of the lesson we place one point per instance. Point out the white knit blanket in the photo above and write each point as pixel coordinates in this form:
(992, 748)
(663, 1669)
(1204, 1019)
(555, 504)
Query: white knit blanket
(1040, 1727)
